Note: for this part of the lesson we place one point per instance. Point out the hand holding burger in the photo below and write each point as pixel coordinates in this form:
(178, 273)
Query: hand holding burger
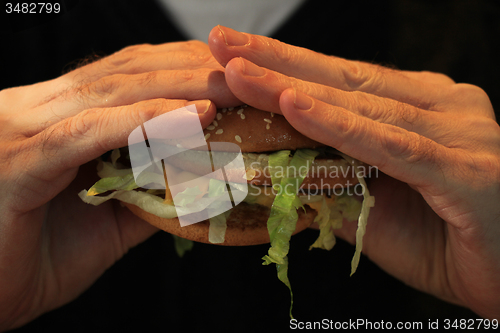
(49, 133)
(436, 222)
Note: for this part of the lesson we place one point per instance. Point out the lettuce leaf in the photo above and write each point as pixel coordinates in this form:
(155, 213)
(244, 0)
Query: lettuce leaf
(144, 200)
(278, 162)
(327, 221)
(330, 217)
(182, 245)
(283, 217)
(217, 224)
(188, 196)
(125, 183)
(368, 202)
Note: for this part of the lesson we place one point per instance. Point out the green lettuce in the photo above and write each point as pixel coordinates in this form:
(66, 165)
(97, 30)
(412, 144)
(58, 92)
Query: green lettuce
(188, 196)
(278, 163)
(283, 217)
(330, 217)
(125, 183)
(182, 245)
(217, 224)
(368, 202)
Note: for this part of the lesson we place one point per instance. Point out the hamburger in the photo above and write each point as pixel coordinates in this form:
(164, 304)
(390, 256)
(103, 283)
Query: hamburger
(290, 182)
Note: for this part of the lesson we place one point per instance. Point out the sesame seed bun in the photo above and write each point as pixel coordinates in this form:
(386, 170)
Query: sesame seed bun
(256, 132)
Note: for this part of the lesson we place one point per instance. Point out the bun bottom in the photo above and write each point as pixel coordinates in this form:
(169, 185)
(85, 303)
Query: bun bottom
(247, 224)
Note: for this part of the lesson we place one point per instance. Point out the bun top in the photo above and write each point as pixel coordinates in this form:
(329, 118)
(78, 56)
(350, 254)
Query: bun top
(256, 131)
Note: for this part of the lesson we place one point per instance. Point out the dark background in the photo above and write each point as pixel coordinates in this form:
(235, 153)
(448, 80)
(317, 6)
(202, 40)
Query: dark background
(228, 289)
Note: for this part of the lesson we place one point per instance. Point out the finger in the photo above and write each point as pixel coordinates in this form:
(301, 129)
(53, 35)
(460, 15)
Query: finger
(131, 60)
(91, 133)
(404, 155)
(307, 65)
(120, 90)
(264, 92)
(146, 58)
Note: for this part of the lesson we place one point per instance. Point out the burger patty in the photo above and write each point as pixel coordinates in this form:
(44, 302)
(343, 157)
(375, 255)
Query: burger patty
(324, 173)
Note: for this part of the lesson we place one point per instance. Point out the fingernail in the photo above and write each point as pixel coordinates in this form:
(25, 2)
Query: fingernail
(201, 106)
(251, 69)
(302, 101)
(233, 37)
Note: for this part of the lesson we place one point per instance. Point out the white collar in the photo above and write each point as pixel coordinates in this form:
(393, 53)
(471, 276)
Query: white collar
(195, 18)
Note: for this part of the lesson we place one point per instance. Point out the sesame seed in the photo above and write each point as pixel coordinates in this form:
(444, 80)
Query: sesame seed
(215, 123)
(219, 131)
(231, 109)
(179, 145)
(268, 126)
(229, 113)
(272, 114)
(211, 127)
(237, 138)
(267, 120)
(207, 136)
(240, 111)
(242, 116)
(224, 110)
(219, 116)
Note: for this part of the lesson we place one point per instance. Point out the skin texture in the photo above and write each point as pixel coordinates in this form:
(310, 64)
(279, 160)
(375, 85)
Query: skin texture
(52, 247)
(436, 220)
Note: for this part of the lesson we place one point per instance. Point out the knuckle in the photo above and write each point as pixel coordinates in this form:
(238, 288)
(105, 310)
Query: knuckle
(127, 56)
(183, 76)
(89, 124)
(195, 44)
(346, 125)
(147, 78)
(472, 98)
(468, 93)
(78, 126)
(134, 48)
(353, 72)
(366, 106)
(364, 76)
(384, 110)
(56, 136)
(144, 111)
(285, 54)
(106, 85)
(410, 147)
(438, 78)
(404, 113)
(100, 89)
(197, 59)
